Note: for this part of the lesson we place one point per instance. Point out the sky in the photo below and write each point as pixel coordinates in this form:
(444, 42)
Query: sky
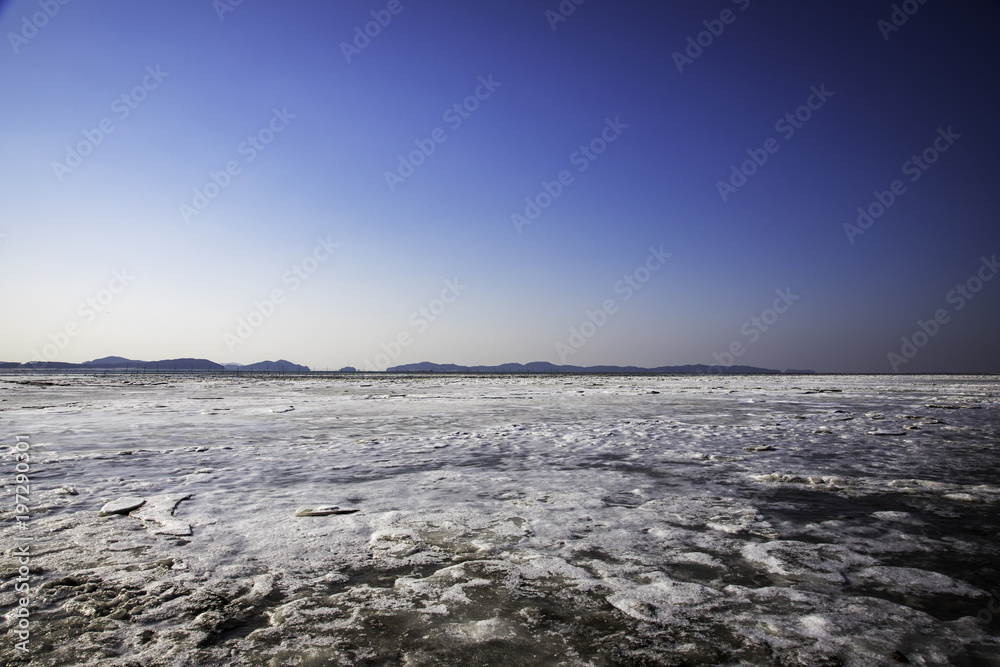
(370, 183)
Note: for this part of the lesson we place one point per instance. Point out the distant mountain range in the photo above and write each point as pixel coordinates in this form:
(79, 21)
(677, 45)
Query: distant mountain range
(283, 366)
(279, 365)
(546, 367)
(179, 365)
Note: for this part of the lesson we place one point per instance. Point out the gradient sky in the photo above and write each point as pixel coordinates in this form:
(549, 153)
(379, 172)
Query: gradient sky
(225, 76)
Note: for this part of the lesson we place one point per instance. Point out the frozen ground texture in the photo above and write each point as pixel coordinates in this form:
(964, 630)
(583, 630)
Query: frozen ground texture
(469, 521)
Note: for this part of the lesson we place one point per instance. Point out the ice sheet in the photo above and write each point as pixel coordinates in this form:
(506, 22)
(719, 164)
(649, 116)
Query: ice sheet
(559, 520)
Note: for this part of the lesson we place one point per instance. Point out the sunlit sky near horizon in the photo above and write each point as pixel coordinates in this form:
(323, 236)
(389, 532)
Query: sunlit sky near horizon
(263, 180)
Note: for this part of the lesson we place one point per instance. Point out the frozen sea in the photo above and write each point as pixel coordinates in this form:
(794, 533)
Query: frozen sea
(522, 520)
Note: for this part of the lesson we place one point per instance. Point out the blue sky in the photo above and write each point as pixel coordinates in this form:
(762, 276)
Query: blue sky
(252, 273)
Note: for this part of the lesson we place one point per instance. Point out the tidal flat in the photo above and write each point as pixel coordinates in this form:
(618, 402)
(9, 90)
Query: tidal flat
(480, 520)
